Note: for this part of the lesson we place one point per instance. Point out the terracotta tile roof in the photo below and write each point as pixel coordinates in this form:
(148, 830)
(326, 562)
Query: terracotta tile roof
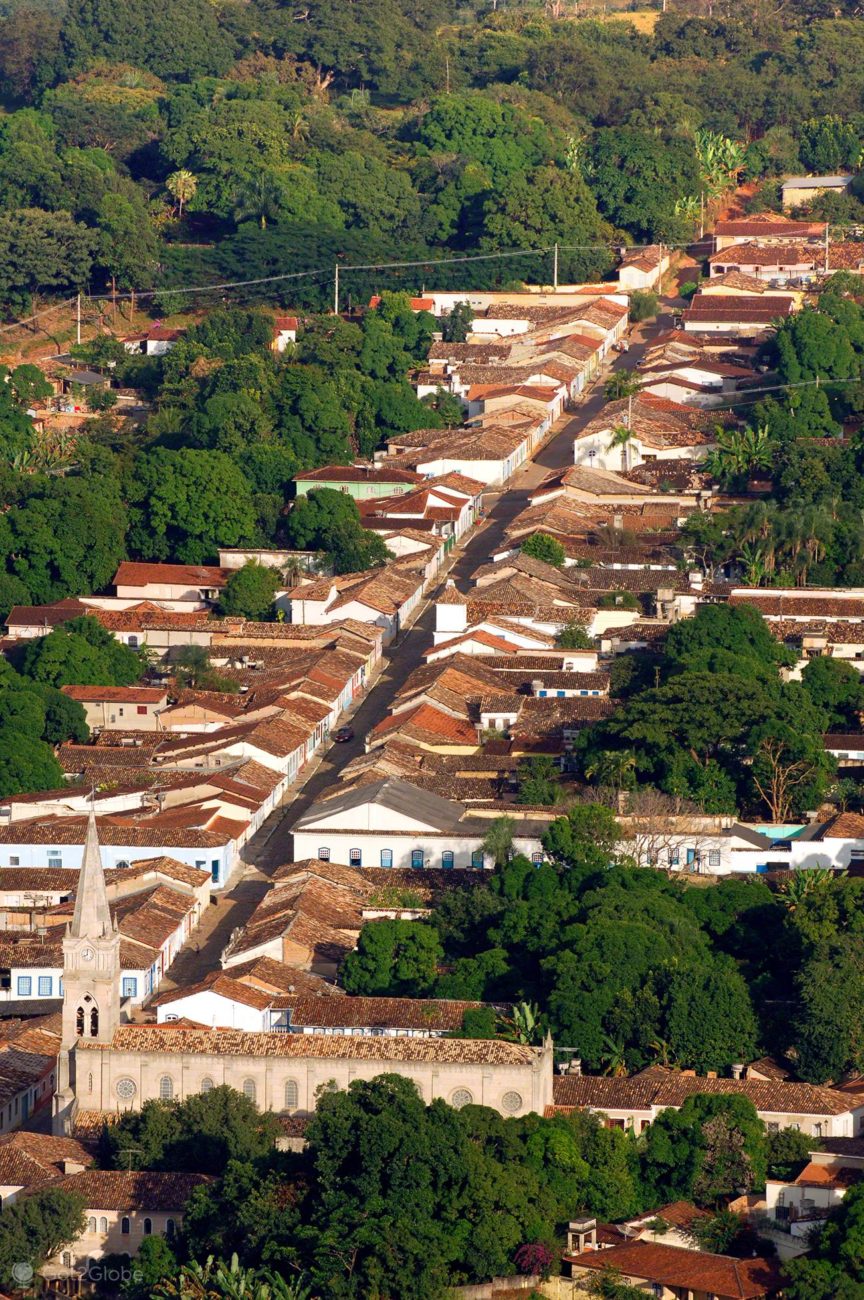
(47, 879)
(133, 573)
(757, 311)
(678, 1214)
(786, 255)
(817, 1175)
(161, 865)
(688, 1270)
(29, 1159)
(238, 1042)
(111, 1189)
(802, 604)
(155, 832)
(359, 474)
(435, 1015)
(770, 225)
(116, 694)
(46, 615)
(277, 978)
(426, 721)
(639, 1092)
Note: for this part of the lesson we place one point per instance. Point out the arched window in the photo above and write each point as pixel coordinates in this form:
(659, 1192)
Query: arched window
(94, 1023)
(249, 1089)
(103, 1224)
(124, 1225)
(461, 1097)
(292, 1095)
(166, 1088)
(67, 1258)
(91, 1225)
(170, 1228)
(79, 1022)
(148, 1227)
(206, 1085)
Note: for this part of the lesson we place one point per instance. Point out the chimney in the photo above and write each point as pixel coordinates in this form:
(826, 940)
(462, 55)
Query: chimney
(536, 686)
(710, 1074)
(737, 1070)
(576, 1066)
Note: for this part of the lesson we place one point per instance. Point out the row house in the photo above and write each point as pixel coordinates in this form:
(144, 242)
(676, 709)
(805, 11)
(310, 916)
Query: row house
(645, 428)
(633, 1103)
(736, 315)
(28, 1069)
(766, 227)
(363, 481)
(643, 268)
(386, 597)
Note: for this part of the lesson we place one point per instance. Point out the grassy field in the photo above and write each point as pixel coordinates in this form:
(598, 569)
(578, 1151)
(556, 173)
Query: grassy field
(644, 20)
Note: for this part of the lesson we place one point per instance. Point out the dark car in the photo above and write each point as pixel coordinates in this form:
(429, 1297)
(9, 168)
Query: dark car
(342, 734)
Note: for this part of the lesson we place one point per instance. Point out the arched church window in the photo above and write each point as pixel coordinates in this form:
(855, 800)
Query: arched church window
(166, 1088)
(79, 1022)
(94, 1023)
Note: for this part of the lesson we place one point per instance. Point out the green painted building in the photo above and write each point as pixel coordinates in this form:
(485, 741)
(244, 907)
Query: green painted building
(362, 482)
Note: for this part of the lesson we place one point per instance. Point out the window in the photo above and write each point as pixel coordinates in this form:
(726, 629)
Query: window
(148, 1227)
(170, 1229)
(14, 862)
(166, 1088)
(537, 859)
(91, 1225)
(5, 979)
(386, 857)
(89, 1082)
(67, 1258)
(120, 711)
(103, 1224)
(461, 1097)
(417, 858)
(55, 859)
(292, 1095)
(323, 855)
(124, 1225)
(25, 985)
(45, 985)
(447, 858)
(713, 857)
(141, 709)
(355, 857)
(214, 871)
(511, 1102)
(817, 1130)
(133, 643)
(206, 1084)
(477, 858)
(249, 1089)
(130, 986)
(674, 857)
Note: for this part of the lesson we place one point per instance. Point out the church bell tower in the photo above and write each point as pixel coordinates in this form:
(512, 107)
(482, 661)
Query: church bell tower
(91, 956)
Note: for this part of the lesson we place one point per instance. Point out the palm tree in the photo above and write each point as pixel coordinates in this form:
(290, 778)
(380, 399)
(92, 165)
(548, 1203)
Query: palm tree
(615, 767)
(259, 197)
(721, 160)
(217, 1280)
(753, 560)
(622, 435)
(498, 841)
(621, 383)
(182, 185)
(739, 452)
(523, 1025)
(804, 882)
(612, 1058)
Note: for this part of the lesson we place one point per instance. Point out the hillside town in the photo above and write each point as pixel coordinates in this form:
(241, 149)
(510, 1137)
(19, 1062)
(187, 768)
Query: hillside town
(432, 651)
(285, 780)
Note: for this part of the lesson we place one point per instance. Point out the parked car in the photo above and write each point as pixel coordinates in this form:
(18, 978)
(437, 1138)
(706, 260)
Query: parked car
(341, 734)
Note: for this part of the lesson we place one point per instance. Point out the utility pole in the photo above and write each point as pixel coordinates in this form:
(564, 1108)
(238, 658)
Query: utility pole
(336, 292)
(78, 319)
(826, 247)
(555, 267)
(701, 214)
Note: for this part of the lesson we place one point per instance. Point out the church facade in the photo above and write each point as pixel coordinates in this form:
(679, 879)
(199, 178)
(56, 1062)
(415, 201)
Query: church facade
(110, 1067)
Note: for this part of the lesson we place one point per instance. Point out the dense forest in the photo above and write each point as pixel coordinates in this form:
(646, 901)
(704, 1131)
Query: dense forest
(198, 142)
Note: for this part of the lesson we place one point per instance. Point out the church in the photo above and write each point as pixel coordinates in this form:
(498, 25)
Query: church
(108, 1065)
